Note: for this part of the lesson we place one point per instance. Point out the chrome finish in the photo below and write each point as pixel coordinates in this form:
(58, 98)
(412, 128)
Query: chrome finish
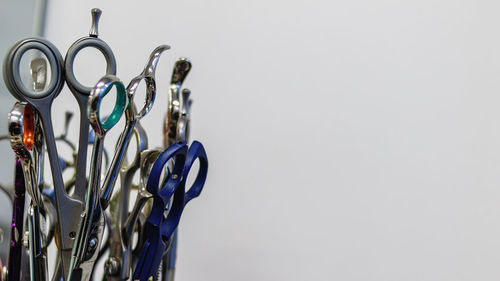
(88, 239)
(181, 69)
(96, 15)
(38, 69)
(132, 117)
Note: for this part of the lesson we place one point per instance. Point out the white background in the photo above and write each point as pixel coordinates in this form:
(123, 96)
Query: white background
(348, 140)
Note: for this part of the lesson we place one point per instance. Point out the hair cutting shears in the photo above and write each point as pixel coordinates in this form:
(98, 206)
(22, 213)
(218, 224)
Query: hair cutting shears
(117, 265)
(132, 117)
(158, 228)
(22, 139)
(69, 207)
(176, 129)
(175, 104)
(88, 240)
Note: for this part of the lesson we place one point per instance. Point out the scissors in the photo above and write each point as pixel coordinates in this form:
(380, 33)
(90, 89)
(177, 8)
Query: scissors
(181, 70)
(117, 266)
(159, 229)
(69, 208)
(16, 230)
(121, 259)
(176, 128)
(88, 240)
(22, 138)
(132, 117)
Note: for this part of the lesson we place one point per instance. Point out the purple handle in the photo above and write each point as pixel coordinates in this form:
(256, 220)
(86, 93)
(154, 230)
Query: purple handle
(16, 230)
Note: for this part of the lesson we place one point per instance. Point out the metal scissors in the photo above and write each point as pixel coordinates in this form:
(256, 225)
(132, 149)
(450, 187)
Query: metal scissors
(174, 109)
(158, 228)
(16, 230)
(68, 208)
(114, 263)
(82, 93)
(118, 264)
(132, 117)
(22, 138)
(88, 240)
(176, 128)
(121, 259)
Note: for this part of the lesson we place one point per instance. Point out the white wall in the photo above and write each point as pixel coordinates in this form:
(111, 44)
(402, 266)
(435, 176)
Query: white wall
(348, 140)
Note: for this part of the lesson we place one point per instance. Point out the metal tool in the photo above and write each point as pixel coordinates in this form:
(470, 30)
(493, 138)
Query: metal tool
(176, 129)
(181, 70)
(182, 135)
(158, 228)
(22, 134)
(82, 93)
(117, 266)
(87, 243)
(74, 210)
(69, 208)
(132, 117)
(16, 230)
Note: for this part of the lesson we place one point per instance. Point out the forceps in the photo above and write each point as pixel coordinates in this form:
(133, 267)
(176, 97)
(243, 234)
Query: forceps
(88, 240)
(159, 230)
(69, 208)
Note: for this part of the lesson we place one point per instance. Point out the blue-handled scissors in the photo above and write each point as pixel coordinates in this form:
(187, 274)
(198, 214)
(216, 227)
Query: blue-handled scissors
(159, 229)
(69, 208)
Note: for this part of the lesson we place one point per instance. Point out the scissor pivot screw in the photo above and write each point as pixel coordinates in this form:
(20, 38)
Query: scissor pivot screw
(112, 266)
(175, 176)
(92, 244)
(26, 241)
(72, 235)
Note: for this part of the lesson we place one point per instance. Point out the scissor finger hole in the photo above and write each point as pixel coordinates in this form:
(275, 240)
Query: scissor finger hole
(131, 156)
(112, 112)
(89, 66)
(84, 45)
(144, 96)
(19, 57)
(192, 175)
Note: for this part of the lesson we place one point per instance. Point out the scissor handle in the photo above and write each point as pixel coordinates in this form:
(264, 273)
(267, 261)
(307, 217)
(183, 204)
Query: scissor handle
(12, 75)
(100, 90)
(181, 69)
(181, 196)
(196, 151)
(69, 60)
(148, 75)
(162, 194)
(88, 41)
